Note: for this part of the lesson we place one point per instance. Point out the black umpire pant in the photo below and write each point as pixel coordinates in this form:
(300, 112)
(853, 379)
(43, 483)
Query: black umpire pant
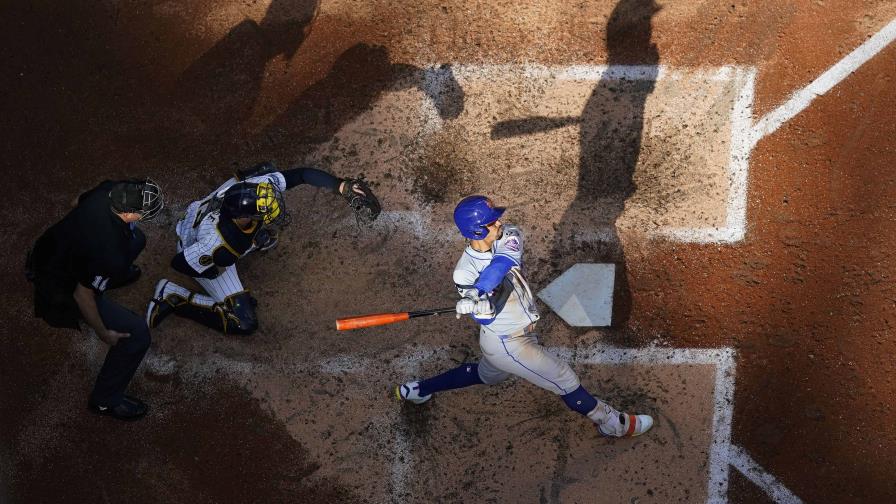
(123, 359)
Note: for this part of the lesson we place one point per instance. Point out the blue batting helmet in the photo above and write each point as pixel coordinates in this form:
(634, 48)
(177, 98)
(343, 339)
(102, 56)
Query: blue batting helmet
(473, 213)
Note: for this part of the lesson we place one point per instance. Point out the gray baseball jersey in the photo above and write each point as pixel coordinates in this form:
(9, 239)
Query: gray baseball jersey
(509, 344)
(514, 304)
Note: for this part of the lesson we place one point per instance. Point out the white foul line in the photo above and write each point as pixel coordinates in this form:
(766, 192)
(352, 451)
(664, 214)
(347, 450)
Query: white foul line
(723, 403)
(744, 463)
(802, 98)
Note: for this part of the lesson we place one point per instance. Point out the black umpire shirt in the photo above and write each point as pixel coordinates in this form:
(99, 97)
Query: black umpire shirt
(90, 246)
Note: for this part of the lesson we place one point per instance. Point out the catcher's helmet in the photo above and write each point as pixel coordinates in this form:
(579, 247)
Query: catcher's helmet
(142, 197)
(473, 213)
(259, 201)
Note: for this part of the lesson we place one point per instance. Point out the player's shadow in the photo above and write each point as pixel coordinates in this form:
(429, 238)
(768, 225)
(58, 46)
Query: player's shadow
(610, 129)
(218, 91)
(357, 79)
(216, 95)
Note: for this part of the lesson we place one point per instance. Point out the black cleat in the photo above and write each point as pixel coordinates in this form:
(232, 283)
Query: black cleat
(129, 409)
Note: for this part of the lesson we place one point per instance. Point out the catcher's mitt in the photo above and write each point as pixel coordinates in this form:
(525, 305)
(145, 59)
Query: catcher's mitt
(361, 199)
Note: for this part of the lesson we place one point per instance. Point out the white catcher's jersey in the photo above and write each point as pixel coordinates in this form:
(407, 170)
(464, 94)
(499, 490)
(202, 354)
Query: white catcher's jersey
(198, 232)
(514, 304)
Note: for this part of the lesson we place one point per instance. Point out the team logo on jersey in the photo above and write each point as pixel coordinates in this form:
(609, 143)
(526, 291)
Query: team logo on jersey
(206, 260)
(513, 243)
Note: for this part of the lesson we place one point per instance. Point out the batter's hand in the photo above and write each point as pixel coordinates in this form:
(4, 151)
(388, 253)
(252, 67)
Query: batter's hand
(361, 198)
(467, 306)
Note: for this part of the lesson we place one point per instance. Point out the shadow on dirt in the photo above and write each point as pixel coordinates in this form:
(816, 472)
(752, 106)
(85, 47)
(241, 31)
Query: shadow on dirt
(219, 90)
(610, 129)
(223, 448)
(357, 79)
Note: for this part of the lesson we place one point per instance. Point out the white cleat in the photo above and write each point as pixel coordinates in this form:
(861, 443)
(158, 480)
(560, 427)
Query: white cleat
(410, 392)
(625, 425)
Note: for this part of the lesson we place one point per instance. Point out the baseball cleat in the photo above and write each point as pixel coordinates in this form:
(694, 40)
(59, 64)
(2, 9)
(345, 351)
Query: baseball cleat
(410, 392)
(129, 409)
(625, 425)
(158, 308)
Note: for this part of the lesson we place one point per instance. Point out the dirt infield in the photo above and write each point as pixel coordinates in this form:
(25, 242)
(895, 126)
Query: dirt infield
(612, 130)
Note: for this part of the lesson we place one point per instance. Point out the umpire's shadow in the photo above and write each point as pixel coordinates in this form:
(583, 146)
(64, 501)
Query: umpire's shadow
(218, 92)
(360, 76)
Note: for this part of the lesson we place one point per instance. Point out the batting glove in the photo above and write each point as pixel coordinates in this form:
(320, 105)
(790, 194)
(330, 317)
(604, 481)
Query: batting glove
(467, 306)
(483, 307)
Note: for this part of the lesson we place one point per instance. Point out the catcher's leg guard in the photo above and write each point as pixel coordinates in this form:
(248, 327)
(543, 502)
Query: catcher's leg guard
(230, 317)
(236, 315)
(240, 310)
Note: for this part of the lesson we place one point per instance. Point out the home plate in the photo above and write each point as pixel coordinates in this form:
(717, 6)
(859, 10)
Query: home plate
(583, 295)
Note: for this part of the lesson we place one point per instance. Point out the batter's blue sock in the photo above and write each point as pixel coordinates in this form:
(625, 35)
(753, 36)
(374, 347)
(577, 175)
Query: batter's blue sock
(580, 401)
(462, 376)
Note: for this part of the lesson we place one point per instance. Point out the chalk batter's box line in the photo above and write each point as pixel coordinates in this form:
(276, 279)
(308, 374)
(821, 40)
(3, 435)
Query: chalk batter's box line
(723, 395)
(722, 452)
(741, 143)
(723, 404)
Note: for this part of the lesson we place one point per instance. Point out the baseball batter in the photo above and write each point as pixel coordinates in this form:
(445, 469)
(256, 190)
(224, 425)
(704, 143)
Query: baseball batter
(239, 217)
(493, 290)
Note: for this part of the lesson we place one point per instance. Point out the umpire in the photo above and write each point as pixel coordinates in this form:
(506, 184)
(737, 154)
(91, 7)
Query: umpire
(92, 249)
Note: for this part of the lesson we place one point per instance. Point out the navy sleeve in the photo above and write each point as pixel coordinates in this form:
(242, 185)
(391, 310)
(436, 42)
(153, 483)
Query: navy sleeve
(312, 176)
(97, 272)
(95, 276)
(493, 274)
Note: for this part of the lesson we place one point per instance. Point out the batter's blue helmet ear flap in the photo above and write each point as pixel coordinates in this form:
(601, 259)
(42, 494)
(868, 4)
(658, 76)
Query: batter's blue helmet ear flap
(473, 214)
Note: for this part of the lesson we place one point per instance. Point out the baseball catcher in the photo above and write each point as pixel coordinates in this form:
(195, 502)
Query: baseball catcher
(241, 216)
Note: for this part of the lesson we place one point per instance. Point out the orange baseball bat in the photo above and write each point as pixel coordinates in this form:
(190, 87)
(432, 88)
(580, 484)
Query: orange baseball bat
(361, 321)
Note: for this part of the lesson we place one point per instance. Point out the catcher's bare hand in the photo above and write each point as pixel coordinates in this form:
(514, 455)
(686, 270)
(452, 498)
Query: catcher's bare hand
(361, 199)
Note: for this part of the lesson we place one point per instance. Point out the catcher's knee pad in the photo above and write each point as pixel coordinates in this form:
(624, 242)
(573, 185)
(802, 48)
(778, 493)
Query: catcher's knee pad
(240, 316)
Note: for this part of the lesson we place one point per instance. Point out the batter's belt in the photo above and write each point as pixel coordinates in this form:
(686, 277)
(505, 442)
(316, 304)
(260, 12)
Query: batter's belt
(529, 329)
